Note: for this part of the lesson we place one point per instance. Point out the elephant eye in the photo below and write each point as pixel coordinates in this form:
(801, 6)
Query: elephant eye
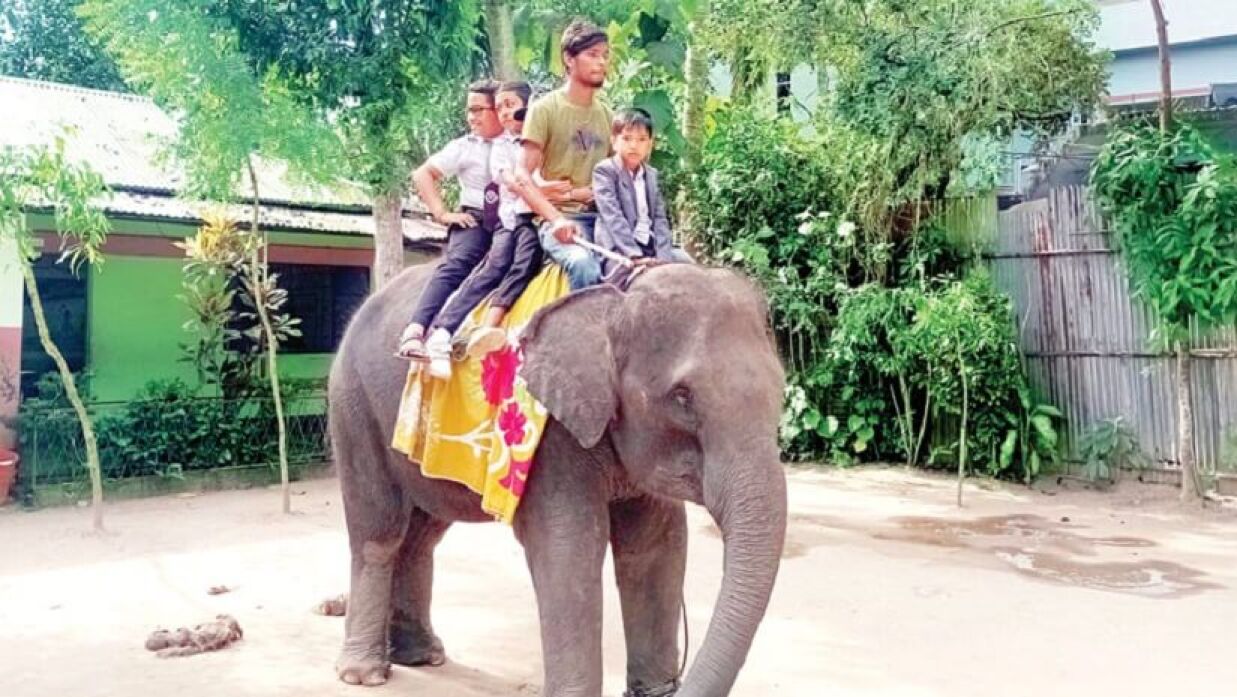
(682, 396)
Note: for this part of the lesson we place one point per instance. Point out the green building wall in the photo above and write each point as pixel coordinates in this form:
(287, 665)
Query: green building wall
(136, 326)
(135, 316)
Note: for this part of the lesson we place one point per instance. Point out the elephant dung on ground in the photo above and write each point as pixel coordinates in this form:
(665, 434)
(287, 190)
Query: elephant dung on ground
(668, 392)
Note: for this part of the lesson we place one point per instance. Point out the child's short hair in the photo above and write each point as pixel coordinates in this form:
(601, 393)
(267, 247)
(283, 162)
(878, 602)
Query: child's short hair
(634, 117)
(484, 87)
(580, 36)
(522, 89)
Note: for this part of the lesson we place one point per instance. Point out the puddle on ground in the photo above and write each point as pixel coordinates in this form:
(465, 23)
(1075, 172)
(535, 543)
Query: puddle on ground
(1030, 545)
(1042, 549)
(1155, 579)
(1017, 529)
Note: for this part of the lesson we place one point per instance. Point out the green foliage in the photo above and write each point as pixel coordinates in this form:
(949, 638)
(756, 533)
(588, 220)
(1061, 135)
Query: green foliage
(189, 59)
(41, 177)
(389, 73)
(167, 430)
(1172, 199)
(869, 271)
(965, 330)
(44, 40)
(1108, 447)
(927, 81)
(217, 281)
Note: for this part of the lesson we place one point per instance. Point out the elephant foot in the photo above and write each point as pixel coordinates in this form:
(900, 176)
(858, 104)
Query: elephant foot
(414, 648)
(363, 670)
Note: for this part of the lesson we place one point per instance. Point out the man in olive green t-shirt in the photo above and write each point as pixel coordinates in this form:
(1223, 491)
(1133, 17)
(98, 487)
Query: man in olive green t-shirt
(566, 134)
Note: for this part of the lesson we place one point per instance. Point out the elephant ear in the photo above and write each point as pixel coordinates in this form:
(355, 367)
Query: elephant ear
(569, 362)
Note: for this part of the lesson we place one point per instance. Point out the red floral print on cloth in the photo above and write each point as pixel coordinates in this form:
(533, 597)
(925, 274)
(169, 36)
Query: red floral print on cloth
(498, 370)
(513, 424)
(517, 476)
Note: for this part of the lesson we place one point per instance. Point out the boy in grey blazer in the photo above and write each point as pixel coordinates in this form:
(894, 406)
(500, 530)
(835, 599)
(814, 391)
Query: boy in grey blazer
(631, 213)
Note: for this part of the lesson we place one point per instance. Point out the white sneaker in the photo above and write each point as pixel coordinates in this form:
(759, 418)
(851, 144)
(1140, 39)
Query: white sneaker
(439, 349)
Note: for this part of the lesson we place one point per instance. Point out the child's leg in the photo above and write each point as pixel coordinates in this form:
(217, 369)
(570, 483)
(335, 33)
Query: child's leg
(466, 247)
(479, 284)
(525, 265)
(581, 266)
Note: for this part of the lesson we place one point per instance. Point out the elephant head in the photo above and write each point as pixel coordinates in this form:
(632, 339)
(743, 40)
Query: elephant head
(682, 374)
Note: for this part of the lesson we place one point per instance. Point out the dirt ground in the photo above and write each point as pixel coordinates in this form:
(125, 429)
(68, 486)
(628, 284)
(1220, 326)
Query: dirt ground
(886, 589)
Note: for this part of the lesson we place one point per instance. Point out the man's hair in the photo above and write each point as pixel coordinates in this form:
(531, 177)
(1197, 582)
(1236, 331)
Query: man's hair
(486, 87)
(580, 36)
(634, 117)
(521, 89)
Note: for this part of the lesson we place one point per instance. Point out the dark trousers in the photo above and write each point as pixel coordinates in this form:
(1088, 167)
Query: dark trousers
(466, 247)
(514, 260)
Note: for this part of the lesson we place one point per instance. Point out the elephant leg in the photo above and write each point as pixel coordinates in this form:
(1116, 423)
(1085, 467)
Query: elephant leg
(649, 541)
(563, 523)
(377, 514)
(413, 642)
(364, 658)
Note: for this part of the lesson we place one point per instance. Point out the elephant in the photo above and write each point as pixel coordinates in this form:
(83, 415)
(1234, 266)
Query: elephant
(667, 392)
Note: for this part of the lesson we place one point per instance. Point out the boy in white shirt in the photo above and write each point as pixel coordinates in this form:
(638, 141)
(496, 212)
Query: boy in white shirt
(470, 230)
(515, 255)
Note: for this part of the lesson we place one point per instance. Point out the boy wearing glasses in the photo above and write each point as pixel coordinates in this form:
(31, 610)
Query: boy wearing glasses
(469, 230)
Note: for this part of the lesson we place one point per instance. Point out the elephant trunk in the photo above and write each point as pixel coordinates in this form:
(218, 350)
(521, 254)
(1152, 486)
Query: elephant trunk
(747, 498)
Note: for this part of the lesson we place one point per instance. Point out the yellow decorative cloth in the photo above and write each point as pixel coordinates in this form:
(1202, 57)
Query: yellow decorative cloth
(481, 427)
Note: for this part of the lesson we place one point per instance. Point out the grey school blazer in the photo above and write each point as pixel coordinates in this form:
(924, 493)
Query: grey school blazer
(614, 193)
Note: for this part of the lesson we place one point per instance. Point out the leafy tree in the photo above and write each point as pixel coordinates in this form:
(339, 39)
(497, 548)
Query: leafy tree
(1171, 197)
(44, 40)
(917, 79)
(189, 60)
(42, 177)
(390, 74)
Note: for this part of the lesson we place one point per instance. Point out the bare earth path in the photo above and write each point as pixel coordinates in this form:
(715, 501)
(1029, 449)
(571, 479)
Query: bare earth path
(886, 589)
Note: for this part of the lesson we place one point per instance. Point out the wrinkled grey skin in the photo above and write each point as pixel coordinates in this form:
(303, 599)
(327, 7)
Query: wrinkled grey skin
(668, 393)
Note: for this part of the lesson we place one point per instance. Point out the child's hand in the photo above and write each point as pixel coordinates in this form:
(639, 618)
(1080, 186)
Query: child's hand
(565, 231)
(556, 191)
(461, 219)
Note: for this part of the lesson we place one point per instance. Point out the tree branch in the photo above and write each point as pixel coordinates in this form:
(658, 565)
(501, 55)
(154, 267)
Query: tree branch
(1033, 18)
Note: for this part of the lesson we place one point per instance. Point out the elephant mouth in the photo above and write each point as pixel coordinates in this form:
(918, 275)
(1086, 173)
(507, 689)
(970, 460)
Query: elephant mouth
(677, 485)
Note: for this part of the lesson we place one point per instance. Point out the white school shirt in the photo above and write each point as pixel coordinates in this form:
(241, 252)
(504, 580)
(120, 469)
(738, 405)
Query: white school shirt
(506, 155)
(644, 221)
(468, 159)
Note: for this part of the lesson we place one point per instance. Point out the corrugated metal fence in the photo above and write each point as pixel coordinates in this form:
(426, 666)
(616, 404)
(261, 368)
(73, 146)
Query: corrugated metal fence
(1087, 340)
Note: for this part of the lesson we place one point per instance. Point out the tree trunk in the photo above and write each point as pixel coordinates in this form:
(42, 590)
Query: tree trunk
(697, 78)
(258, 289)
(388, 238)
(1166, 70)
(501, 32)
(962, 437)
(1190, 489)
(696, 75)
(70, 390)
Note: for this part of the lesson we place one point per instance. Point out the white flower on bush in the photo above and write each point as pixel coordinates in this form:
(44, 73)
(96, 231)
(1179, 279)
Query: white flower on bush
(845, 229)
(805, 228)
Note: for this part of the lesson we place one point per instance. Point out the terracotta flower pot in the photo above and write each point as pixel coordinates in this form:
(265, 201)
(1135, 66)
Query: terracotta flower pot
(8, 471)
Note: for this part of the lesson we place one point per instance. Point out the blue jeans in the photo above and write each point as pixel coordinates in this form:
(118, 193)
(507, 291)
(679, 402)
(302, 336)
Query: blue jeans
(582, 268)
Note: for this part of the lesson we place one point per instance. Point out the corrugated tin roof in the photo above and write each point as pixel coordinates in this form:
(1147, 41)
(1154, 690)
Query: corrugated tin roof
(121, 135)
